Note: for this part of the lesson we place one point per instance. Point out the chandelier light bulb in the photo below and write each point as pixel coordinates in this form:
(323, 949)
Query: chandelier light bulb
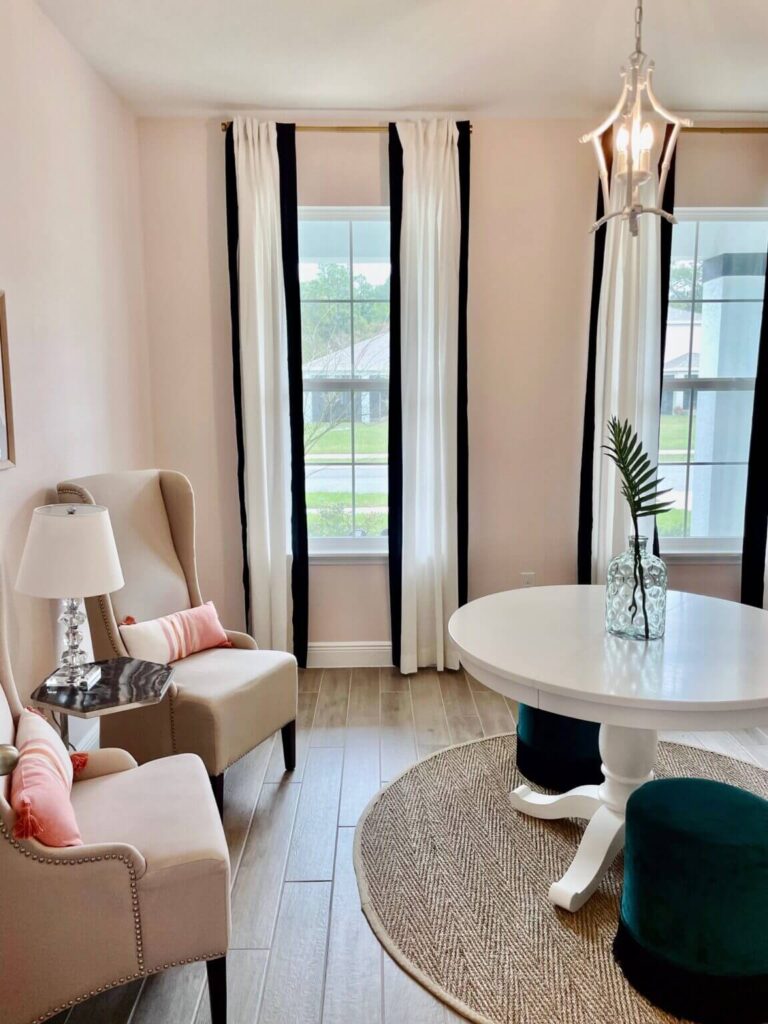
(634, 142)
(641, 144)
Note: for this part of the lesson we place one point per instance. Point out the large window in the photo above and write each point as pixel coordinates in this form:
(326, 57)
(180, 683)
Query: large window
(713, 329)
(344, 272)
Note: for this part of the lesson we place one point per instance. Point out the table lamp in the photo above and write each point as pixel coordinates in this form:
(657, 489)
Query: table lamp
(70, 550)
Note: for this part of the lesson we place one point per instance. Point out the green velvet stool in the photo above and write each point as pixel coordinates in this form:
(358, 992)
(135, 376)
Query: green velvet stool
(693, 929)
(557, 752)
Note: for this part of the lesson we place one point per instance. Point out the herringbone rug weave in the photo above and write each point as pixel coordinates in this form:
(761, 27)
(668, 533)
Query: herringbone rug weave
(454, 884)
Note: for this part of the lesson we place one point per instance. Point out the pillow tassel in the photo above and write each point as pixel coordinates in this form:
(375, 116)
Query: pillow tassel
(27, 826)
(79, 761)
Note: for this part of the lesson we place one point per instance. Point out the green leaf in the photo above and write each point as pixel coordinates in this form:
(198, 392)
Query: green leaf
(640, 484)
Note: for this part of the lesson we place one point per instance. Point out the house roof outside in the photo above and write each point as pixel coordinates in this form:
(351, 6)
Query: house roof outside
(678, 366)
(371, 359)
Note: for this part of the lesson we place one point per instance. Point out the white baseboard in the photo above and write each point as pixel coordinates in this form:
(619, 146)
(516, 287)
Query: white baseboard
(350, 654)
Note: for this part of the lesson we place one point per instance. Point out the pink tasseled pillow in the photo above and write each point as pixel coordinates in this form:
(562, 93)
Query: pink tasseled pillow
(174, 636)
(41, 784)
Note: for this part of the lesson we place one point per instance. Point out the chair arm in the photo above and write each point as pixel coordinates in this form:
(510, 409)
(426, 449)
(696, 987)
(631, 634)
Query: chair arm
(91, 852)
(241, 640)
(81, 903)
(106, 761)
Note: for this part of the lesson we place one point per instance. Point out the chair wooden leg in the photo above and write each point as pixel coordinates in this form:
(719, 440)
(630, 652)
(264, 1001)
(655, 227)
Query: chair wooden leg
(217, 984)
(289, 745)
(217, 785)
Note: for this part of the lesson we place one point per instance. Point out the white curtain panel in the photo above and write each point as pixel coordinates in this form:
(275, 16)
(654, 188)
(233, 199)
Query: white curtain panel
(264, 375)
(429, 272)
(628, 367)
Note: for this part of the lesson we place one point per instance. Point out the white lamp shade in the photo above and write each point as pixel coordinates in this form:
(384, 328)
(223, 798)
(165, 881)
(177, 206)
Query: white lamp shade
(70, 552)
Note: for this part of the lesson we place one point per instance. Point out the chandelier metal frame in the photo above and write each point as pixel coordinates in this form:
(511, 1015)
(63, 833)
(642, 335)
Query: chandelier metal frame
(638, 83)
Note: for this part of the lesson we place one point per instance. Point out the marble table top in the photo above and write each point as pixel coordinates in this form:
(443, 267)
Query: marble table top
(125, 683)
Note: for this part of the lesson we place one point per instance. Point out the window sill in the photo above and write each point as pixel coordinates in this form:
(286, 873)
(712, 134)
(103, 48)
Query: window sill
(348, 557)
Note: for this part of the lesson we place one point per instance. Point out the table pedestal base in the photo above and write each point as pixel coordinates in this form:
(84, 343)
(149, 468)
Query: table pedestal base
(628, 759)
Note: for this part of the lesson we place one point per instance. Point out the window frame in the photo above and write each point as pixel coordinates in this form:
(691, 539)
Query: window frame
(706, 549)
(346, 549)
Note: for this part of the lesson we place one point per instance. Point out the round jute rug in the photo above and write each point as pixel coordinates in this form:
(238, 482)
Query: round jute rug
(454, 884)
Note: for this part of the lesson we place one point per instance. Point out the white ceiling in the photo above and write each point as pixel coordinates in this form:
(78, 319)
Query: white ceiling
(535, 58)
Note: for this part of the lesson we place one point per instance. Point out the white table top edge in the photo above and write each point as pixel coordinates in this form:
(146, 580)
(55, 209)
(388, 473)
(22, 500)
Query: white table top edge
(653, 712)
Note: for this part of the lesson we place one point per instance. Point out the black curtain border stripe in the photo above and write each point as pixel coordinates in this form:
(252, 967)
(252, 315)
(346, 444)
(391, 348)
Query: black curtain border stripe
(233, 231)
(289, 226)
(395, 443)
(286, 150)
(584, 540)
(756, 502)
(665, 270)
(462, 447)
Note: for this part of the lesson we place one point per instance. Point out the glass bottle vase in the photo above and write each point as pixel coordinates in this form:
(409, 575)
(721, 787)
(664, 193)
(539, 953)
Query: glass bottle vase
(625, 610)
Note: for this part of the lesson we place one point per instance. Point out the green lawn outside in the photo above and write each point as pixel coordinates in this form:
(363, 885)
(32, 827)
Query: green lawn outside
(672, 523)
(370, 439)
(343, 500)
(673, 437)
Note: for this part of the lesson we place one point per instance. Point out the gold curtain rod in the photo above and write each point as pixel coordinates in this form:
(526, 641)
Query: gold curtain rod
(346, 128)
(732, 129)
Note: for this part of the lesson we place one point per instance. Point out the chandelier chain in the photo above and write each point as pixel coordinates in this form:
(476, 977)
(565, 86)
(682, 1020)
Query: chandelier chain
(639, 27)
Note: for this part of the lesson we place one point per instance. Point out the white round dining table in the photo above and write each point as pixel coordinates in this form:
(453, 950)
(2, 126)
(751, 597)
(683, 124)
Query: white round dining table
(547, 647)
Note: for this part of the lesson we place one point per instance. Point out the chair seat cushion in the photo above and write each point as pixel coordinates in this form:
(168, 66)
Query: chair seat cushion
(227, 701)
(166, 809)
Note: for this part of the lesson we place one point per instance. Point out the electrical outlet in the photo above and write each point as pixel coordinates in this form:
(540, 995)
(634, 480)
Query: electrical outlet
(528, 578)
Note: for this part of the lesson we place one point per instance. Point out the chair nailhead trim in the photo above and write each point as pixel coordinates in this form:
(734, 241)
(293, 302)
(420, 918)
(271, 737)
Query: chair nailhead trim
(172, 710)
(58, 861)
(122, 981)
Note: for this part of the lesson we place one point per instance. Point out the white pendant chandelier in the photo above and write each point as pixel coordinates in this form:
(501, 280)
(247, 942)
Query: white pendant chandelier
(634, 140)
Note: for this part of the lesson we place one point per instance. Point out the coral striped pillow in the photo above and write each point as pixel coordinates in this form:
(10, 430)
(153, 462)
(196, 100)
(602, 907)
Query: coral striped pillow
(41, 784)
(174, 636)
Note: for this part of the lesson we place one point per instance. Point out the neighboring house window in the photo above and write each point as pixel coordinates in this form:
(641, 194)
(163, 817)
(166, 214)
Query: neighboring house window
(716, 289)
(344, 271)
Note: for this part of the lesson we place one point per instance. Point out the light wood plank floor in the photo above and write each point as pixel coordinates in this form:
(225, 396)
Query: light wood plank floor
(302, 952)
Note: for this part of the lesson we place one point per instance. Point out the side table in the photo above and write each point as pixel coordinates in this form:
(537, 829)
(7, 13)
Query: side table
(125, 683)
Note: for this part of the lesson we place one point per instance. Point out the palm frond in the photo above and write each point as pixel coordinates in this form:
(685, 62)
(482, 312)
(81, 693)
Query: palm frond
(640, 484)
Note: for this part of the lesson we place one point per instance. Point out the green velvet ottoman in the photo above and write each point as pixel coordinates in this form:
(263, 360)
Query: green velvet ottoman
(557, 752)
(693, 929)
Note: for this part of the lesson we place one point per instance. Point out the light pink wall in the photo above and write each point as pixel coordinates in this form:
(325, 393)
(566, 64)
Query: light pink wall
(713, 578)
(532, 199)
(722, 170)
(70, 265)
(342, 169)
(531, 206)
(185, 253)
(349, 602)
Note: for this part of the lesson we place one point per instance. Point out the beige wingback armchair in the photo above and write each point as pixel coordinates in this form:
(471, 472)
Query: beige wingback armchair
(149, 889)
(222, 702)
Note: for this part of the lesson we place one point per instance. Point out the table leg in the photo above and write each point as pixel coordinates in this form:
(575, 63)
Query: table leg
(628, 758)
(582, 802)
(64, 729)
